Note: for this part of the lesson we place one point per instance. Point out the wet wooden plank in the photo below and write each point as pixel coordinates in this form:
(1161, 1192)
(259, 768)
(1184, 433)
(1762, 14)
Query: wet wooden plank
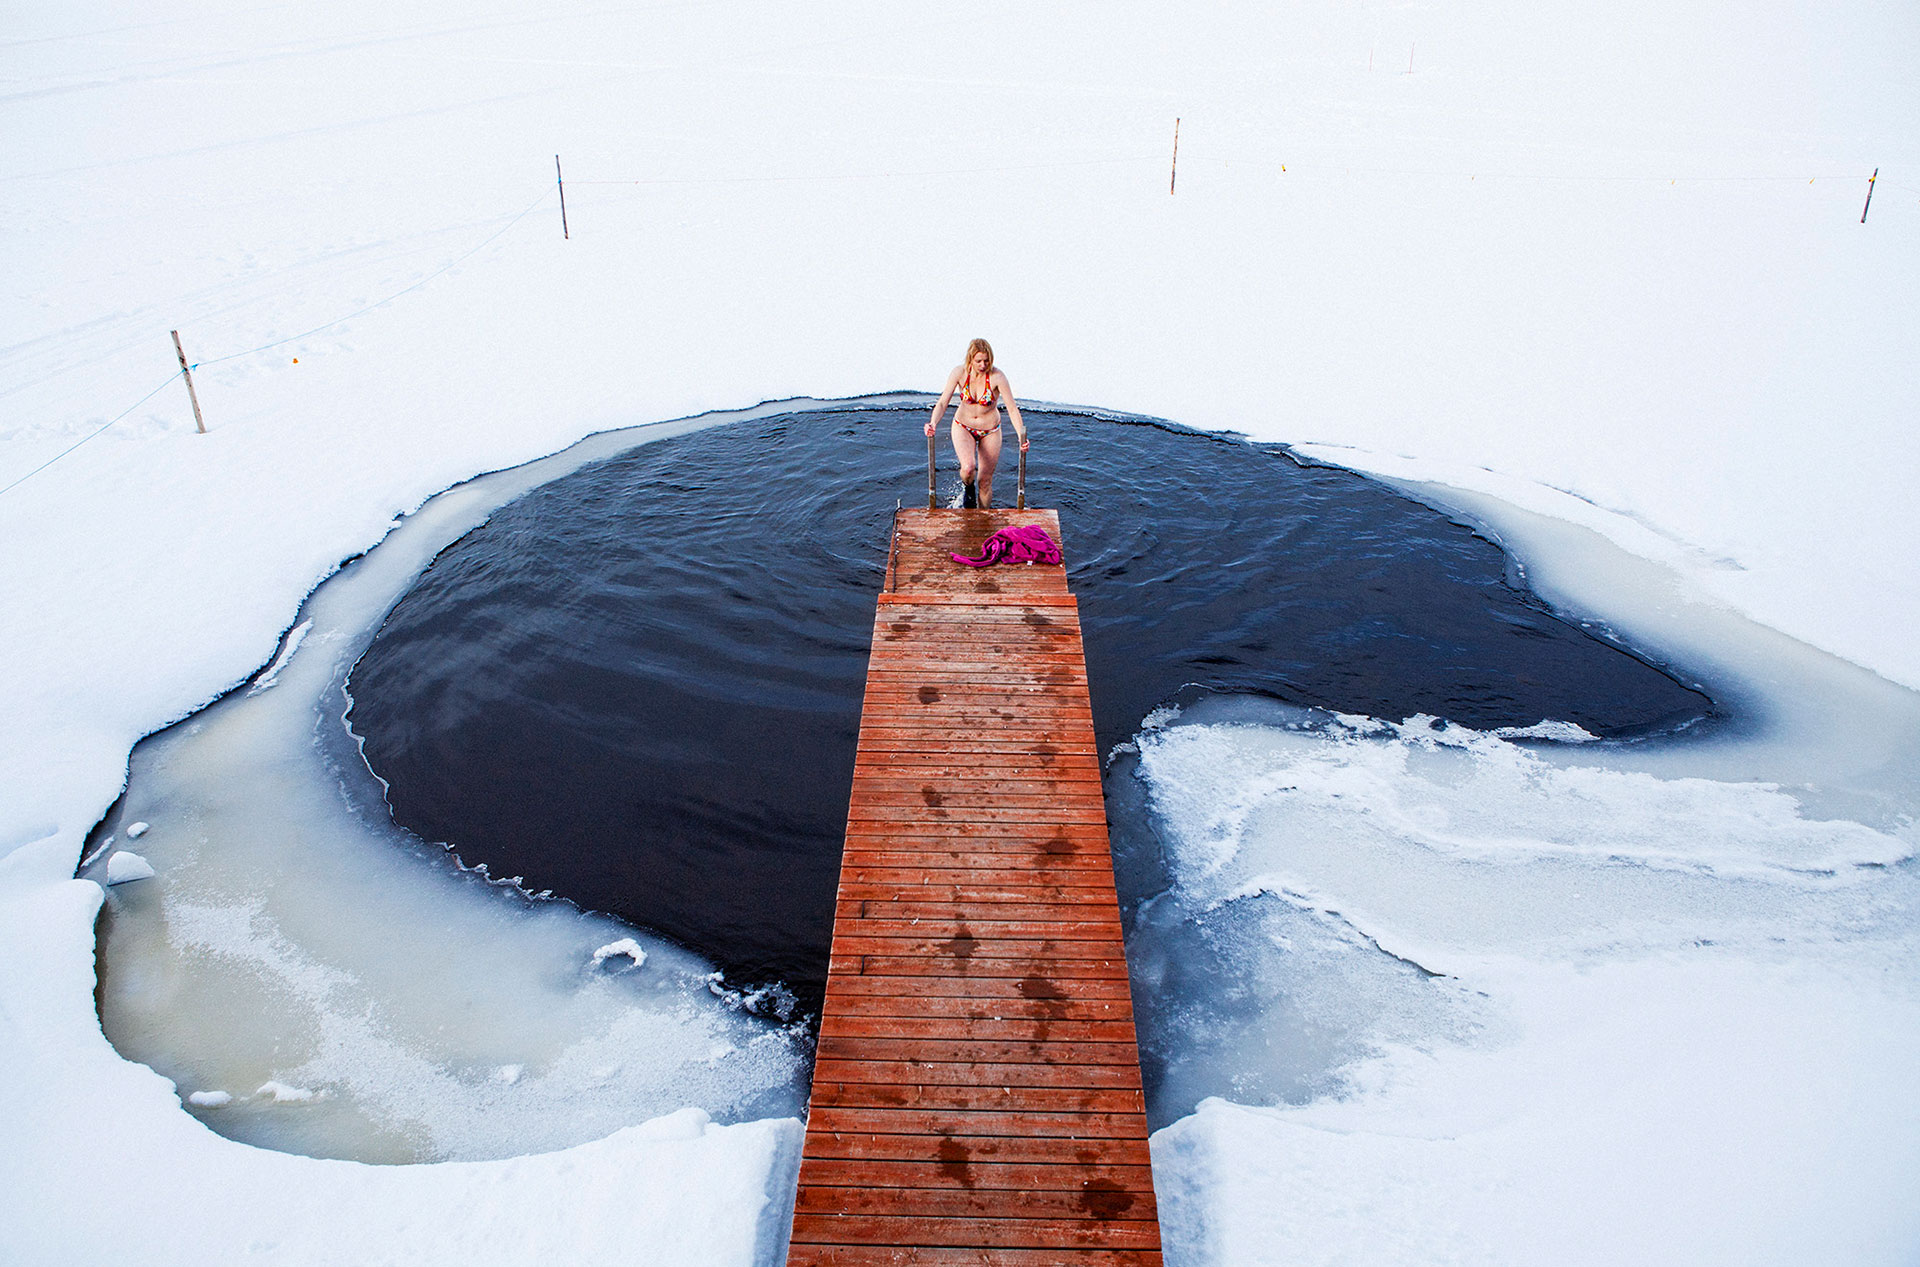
(1003, 1097)
(1011, 842)
(936, 1230)
(937, 1173)
(1019, 1029)
(852, 1008)
(921, 1121)
(1052, 986)
(952, 1202)
(986, 895)
(965, 944)
(1043, 850)
(816, 1255)
(976, 1095)
(984, 836)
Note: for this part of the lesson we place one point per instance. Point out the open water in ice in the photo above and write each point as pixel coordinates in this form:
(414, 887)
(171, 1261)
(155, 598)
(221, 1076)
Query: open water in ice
(631, 676)
(639, 685)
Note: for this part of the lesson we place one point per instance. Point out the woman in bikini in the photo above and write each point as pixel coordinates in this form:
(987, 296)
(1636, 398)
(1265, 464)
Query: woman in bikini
(976, 420)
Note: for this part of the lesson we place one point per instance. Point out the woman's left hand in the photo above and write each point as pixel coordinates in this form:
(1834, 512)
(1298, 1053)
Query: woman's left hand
(1024, 442)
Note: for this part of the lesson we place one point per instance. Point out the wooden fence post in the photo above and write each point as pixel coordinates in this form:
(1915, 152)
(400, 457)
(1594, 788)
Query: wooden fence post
(187, 374)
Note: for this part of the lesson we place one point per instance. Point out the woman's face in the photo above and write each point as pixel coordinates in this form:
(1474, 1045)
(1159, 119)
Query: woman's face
(979, 362)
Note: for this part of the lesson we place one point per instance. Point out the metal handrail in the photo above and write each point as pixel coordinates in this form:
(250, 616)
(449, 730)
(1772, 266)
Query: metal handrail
(930, 470)
(893, 550)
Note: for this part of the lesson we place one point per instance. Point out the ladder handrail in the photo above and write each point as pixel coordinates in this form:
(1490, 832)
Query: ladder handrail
(930, 468)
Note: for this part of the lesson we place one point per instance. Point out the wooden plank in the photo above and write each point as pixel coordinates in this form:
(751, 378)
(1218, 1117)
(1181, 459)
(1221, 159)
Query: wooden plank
(1020, 604)
(985, 1177)
(913, 909)
(874, 739)
(1043, 712)
(1063, 731)
(1004, 1096)
(1015, 1029)
(1052, 967)
(930, 869)
(1051, 815)
(811, 1255)
(1020, 653)
(930, 685)
(965, 944)
(961, 1202)
(978, 1122)
(1066, 839)
(932, 855)
(852, 1008)
(988, 836)
(1051, 764)
(982, 793)
(1087, 925)
(1020, 1233)
(979, 613)
(985, 895)
(1052, 1053)
(1017, 781)
(1045, 987)
(1022, 1147)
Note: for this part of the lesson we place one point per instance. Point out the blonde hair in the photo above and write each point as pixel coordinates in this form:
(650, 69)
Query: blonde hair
(978, 345)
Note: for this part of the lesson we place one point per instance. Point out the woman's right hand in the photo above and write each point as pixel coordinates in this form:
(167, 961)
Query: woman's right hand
(929, 431)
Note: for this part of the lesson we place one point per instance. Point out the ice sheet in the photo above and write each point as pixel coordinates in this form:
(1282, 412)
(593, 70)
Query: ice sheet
(1465, 998)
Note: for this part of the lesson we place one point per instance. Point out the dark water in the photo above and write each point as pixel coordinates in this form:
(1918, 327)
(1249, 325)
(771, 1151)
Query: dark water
(639, 686)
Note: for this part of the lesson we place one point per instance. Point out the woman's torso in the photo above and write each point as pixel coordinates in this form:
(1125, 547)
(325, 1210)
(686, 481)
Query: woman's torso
(978, 400)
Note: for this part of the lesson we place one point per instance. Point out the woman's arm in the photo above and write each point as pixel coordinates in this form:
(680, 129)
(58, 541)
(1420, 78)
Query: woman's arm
(1013, 408)
(940, 406)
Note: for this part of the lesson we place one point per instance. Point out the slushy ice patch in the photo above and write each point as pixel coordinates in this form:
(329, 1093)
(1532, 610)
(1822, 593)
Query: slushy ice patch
(639, 685)
(1310, 891)
(314, 979)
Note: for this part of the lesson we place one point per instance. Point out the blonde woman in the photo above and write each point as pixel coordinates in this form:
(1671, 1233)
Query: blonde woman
(976, 421)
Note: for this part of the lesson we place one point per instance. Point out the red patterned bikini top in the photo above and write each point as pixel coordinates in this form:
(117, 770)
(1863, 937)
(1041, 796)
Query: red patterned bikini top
(988, 395)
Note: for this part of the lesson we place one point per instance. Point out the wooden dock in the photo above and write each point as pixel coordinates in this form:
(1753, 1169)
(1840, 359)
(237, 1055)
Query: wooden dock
(976, 1094)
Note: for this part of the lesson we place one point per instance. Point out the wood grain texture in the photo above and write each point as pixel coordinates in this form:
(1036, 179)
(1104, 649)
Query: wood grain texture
(976, 1092)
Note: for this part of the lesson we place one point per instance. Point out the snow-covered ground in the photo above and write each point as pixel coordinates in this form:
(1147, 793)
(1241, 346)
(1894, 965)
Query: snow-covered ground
(1602, 262)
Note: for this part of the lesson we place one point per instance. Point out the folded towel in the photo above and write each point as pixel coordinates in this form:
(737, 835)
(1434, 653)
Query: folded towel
(1028, 543)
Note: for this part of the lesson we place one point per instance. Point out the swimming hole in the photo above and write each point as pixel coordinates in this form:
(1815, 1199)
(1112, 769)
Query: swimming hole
(638, 685)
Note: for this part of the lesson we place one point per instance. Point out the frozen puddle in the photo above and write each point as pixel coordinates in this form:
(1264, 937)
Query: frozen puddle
(317, 981)
(1411, 992)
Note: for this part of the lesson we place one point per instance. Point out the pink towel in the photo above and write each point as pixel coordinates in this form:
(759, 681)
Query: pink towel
(1029, 543)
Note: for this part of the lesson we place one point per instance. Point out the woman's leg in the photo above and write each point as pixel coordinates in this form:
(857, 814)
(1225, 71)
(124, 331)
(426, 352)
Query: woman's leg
(989, 462)
(967, 451)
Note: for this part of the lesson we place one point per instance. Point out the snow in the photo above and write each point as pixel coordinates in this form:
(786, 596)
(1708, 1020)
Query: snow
(281, 1093)
(626, 946)
(1476, 275)
(210, 1099)
(1718, 1152)
(271, 675)
(123, 867)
